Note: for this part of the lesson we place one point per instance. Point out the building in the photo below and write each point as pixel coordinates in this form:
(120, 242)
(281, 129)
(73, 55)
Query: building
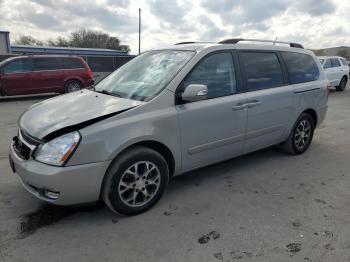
(101, 61)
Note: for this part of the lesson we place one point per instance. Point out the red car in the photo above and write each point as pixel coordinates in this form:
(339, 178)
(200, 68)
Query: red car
(23, 75)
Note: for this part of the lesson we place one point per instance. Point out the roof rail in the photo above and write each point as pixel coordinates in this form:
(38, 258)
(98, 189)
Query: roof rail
(236, 40)
(193, 42)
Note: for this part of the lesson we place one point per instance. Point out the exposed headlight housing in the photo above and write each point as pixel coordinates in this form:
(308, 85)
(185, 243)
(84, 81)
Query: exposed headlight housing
(57, 151)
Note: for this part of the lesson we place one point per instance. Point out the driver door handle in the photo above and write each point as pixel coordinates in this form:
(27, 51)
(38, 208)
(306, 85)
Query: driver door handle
(254, 103)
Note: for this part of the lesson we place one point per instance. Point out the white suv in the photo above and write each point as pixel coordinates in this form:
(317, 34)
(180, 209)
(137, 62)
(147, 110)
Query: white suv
(337, 70)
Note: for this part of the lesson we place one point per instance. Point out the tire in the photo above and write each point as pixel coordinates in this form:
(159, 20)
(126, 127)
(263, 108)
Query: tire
(291, 145)
(342, 84)
(126, 184)
(72, 86)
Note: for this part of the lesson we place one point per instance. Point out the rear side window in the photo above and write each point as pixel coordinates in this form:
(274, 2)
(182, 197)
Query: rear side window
(327, 64)
(216, 71)
(71, 63)
(18, 66)
(301, 67)
(262, 70)
(335, 62)
(44, 64)
(344, 62)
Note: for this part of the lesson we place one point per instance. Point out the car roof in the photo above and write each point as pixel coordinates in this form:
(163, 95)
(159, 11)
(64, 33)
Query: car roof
(200, 46)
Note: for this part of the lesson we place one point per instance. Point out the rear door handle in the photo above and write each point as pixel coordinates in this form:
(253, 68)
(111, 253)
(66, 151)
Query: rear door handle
(239, 107)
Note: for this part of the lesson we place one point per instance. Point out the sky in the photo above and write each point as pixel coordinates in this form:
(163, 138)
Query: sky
(313, 23)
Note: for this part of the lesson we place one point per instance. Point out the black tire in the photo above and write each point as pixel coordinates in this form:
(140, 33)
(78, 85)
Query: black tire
(72, 86)
(113, 196)
(291, 145)
(342, 84)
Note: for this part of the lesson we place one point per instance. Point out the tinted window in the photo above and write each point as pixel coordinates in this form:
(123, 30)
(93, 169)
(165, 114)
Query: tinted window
(71, 63)
(42, 64)
(327, 64)
(301, 67)
(18, 66)
(217, 73)
(335, 62)
(262, 70)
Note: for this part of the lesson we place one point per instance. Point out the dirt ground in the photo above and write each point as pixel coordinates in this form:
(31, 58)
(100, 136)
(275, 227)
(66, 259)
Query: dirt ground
(265, 206)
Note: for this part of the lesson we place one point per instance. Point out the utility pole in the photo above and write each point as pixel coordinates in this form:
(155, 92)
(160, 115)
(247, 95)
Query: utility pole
(139, 30)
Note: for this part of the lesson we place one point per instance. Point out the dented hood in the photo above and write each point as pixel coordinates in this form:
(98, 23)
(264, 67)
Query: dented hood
(70, 110)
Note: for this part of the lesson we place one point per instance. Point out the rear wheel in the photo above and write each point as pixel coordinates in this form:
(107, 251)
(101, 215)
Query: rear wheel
(72, 86)
(135, 181)
(342, 84)
(301, 135)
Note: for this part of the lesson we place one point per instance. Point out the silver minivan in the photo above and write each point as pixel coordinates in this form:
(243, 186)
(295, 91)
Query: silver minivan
(166, 112)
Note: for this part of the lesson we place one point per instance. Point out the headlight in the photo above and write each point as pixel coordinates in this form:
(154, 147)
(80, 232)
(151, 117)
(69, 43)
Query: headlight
(57, 151)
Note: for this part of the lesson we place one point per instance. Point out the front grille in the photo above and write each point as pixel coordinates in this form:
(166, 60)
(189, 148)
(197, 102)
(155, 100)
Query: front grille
(22, 147)
(22, 150)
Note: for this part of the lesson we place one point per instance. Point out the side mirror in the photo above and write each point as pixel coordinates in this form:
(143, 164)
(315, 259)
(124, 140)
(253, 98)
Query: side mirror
(195, 92)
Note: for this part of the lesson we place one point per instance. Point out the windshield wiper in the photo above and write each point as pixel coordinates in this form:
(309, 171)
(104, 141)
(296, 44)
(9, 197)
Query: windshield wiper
(108, 93)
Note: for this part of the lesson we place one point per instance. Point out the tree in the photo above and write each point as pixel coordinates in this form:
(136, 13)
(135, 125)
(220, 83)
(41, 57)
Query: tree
(80, 38)
(28, 40)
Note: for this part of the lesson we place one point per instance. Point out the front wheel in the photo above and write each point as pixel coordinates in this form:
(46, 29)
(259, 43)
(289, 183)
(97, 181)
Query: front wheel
(342, 84)
(301, 135)
(135, 181)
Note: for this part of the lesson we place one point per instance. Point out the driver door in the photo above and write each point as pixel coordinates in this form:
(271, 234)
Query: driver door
(213, 129)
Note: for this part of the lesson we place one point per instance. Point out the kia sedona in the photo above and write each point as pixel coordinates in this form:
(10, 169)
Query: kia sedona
(166, 112)
(26, 75)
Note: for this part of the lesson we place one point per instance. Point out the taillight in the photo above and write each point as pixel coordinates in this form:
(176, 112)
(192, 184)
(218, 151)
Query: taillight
(89, 73)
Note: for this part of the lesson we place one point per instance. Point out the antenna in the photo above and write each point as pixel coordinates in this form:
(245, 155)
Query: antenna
(274, 43)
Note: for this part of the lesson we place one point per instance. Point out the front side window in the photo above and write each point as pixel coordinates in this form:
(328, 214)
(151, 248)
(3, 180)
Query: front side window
(216, 72)
(44, 64)
(18, 66)
(146, 75)
(327, 64)
(262, 70)
(301, 67)
(335, 62)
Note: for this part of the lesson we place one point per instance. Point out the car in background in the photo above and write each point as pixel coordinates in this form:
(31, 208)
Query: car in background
(337, 70)
(24, 75)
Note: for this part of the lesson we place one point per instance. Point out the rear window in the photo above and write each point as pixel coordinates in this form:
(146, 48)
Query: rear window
(301, 67)
(71, 63)
(43, 64)
(262, 70)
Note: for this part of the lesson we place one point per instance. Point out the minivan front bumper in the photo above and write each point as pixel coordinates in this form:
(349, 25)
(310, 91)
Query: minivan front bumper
(60, 185)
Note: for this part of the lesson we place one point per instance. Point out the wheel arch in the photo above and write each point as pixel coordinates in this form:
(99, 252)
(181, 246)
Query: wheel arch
(313, 114)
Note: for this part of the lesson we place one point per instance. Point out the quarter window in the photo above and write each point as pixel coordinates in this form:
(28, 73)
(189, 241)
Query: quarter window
(43, 64)
(335, 62)
(262, 70)
(216, 72)
(70, 63)
(301, 67)
(18, 66)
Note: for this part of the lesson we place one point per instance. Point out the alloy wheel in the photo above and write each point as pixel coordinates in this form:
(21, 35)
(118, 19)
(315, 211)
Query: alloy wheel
(139, 184)
(302, 135)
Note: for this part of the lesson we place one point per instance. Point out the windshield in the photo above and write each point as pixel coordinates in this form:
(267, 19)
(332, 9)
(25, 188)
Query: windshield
(144, 76)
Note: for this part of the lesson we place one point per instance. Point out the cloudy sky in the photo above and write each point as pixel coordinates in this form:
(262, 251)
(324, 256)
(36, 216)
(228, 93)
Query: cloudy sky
(314, 23)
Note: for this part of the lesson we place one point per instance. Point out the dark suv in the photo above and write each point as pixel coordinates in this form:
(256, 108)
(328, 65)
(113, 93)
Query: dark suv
(23, 75)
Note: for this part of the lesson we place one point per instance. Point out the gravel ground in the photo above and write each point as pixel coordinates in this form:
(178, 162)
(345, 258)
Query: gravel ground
(265, 206)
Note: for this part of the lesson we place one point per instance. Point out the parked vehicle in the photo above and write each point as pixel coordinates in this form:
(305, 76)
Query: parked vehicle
(166, 112)
(24, 75)
(337, 70)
